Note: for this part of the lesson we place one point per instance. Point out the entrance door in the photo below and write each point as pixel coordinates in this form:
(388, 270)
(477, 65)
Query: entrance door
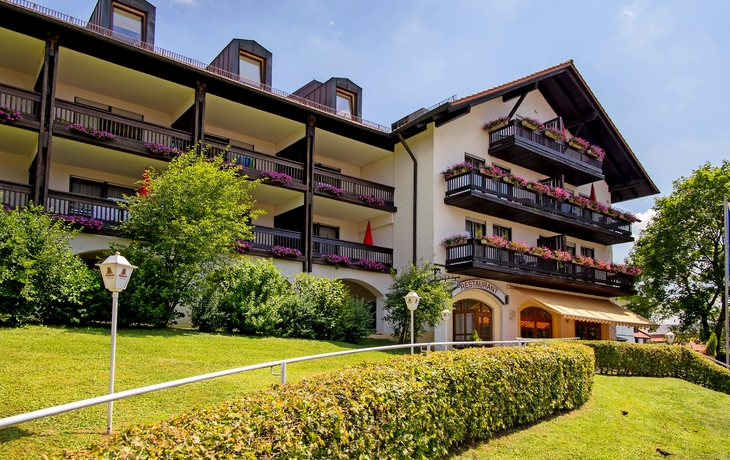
(469, 316)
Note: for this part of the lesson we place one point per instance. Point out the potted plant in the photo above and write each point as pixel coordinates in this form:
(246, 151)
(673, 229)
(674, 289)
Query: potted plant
(542, 252)
(559, 193)
(454, 240)
(578, 143)
(7, 114)
(533, 124)
(519, 247)
(497, 123)
(322, 187)
(494, 241)
(276, 177)
(162, 149)
(602, 265)
(538, 187)
(561, 256)
(491, 171)
(515, 180)
(583, 260)
(596, 152)
(553, 133)
(372, 200)
(336, 260)
(91, 132)
(283, 251)
(456, 170)
(371, 265)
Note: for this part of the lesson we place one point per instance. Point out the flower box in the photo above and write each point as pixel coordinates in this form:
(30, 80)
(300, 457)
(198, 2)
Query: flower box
(372, 200)
(242, 246)
(336, 260)
(559, 193)
(596, 152)
(542, 252)
(515, 180)
(583, 260)
(578, 143)
(81, 222)
(454, 241)
(494, 241)
(497, 123)
(276, 177)
(322, 187)
(491, 171)
(91, 132)
(554, 134)
(519, 247)
(532, 124)
(371, 265)
(283, 251)
(9, 115)
(162, 149)
(627, 216)
(561, 256)
(456, 170)
(538, 188)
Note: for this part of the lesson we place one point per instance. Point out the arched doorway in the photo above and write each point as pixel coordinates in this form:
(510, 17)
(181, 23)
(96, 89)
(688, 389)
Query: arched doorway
(365, 292)
(536, 323)
(471, 315)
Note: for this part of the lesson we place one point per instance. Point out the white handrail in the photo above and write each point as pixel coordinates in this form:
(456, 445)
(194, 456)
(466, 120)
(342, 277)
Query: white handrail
(55, 410)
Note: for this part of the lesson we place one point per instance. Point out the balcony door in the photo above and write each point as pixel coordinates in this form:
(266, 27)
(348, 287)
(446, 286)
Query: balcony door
(469, 316)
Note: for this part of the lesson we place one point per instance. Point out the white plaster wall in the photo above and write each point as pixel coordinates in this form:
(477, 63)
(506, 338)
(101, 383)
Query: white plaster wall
(14, 167)
(18, 79)
(345, 168)
(380, 171)
(61, 175)
(381, 229)
(267, 220)
(260, 146)
(86, 242)
(348, 230)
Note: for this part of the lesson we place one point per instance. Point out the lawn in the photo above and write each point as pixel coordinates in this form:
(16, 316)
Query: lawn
(42, 367)
(687, 420)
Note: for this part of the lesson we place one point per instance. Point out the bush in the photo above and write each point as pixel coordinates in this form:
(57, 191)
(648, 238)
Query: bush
(711, 348)
(617, 358)
(408, 407)
(318, 309)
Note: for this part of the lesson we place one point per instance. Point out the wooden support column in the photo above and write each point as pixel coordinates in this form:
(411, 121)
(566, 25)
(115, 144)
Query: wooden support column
(309, 195)
(42, 162)
(199, 116)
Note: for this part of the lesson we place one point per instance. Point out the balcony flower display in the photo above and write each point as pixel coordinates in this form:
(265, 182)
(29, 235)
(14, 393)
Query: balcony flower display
(559, 193)
(371, 265)
(602, 265)
(283, 251)
(91, 132)
(497, 123)
(556, 134)
(541, 251)
(578, 143)
(276, 177)
(242, 246)
(583, 260)
(491, 171)
(626, 269)
(538, 187)
(162, 149)
(456, 170)
(627, 216)
(336, 260)
(581, 201)
(372, 200)
(494, 241)
(515, 180)
(596, 151)
(322, 187)
(561, 256)
(7, 114)
(88, 223)
(454, 240)
(598, 207)
(532, 123)
(519, 247)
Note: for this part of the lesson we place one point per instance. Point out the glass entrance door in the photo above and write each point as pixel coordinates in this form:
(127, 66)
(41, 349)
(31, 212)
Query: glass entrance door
(469, 316)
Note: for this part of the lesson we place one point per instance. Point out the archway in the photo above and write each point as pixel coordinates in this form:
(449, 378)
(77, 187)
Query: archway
(366, 292)
(536, 323)
(471, 315)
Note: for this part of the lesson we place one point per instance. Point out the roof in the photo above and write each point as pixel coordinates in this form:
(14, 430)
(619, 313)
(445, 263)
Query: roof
(641, 335)
(590, 309)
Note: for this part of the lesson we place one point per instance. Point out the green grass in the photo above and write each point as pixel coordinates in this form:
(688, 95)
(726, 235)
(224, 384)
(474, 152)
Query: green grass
(685, 419)
(42, 367)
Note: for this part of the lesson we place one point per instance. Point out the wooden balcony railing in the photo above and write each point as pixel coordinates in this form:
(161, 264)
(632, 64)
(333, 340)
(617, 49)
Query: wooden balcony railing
(15, 195)
(26, 102)
(493, 187)
(267, 238)
(254, 162)
(132, 135)
(72, 204)
(355, 187)
(475, 255)
(353, 251)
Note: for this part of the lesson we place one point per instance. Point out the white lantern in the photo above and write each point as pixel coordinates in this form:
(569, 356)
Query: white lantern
(115, 271)
(445, 315)
(669, 337)
(412, 300)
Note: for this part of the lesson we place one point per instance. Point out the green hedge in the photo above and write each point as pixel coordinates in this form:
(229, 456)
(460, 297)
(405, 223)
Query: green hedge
(617, 358)
(407, 407)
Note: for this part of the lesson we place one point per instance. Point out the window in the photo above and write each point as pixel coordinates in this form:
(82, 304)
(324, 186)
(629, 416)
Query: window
(345, 103)
(536, 323)
(570, 247)
(475, 229)
(250, 68)
(587, 331)
(327, 231)
(506, 170)
(472, 315)
(99, 189)
(127, 23)
(504, 232)
(108, 108)
(588, 252)
(475, 163)
(327, 168)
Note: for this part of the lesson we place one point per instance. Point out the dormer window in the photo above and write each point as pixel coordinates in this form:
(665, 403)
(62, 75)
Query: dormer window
(345, 102)
(127, 23)
(250, 68)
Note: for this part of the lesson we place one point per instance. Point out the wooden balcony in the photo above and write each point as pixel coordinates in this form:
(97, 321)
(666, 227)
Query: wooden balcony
(131, 135)
(353, 251)
(26, 102)
(354, 188)
(267, 238)
(494, 197)
(15, 195)
(532, 150)
(474, 259)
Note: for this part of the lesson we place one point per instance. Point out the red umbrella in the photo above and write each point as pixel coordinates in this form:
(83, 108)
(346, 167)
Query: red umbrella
(368, 236)
(144, 189)
(593, 193)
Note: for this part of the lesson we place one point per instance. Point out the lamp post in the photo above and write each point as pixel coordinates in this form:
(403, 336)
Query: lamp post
(412, 300)
(669, 337)
(115, 271)
(445, 316)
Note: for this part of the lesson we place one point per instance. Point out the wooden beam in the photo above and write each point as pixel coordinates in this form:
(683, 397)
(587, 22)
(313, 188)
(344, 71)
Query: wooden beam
(47, 115)
(580, 119)
(517, 105)
(309, 194)
(519, 92)
(625, 185)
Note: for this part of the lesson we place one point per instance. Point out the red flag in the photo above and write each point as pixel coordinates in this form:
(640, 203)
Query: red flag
(368, 236)
(593, 193)
(144, 189)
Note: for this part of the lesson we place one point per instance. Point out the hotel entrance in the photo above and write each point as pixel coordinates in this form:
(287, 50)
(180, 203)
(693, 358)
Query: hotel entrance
(469, 316)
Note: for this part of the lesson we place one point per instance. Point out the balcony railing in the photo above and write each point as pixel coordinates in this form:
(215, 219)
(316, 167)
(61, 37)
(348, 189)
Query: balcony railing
(354, 187)
(15, 195)
(132, 135)
(353, 251)
(534, 151)
(26, 102)
(267, 238)
(496, 263)
(495, 197)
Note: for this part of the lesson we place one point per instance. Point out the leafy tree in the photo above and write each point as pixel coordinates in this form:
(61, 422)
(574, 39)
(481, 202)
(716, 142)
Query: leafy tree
(39, 274)
(682, 251)
(181, 231)
(711, 348)
(435, 295)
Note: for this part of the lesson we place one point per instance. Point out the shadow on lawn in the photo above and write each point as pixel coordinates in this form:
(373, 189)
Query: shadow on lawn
(12, 433)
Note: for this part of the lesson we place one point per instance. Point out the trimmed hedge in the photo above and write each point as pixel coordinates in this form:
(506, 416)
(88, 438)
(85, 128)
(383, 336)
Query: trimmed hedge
(407, 407)
(645, 360)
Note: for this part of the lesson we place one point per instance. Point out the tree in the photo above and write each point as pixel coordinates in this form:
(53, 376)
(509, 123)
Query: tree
(682, 253)
(39, 272)
(435, 295)
(190, 218)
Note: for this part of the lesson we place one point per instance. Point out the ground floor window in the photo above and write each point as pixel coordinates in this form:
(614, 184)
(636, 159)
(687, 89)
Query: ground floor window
(587, 331)
(536, 323)
(469, 316)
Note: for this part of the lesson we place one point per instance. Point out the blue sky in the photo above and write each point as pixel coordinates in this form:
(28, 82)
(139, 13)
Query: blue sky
(659, 68)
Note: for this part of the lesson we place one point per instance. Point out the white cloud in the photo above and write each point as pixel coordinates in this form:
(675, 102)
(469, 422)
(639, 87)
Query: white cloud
(644, 217)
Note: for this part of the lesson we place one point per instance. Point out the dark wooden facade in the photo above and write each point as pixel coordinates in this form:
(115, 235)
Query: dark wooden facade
(228, 59)
(326, 93)
(102, 15)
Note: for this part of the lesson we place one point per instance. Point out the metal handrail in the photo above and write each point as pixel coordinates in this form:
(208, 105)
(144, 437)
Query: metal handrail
(55, 410)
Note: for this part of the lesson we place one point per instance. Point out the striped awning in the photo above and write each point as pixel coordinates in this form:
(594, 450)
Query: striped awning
(590, 309)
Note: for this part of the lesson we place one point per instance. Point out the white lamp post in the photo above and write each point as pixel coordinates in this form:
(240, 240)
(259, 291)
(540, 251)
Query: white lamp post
(412, 300)
(115, 271)
(445, 316)
(669, 337)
